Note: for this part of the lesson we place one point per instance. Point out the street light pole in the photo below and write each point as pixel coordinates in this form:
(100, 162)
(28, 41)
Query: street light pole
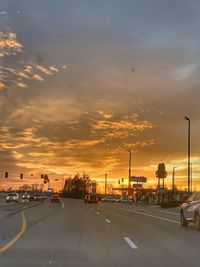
(129, 169)
(189, 152)
(191, 176)
(106, 177)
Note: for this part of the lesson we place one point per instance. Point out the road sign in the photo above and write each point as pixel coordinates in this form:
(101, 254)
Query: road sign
(140, 179)
(161, 190)
(137, 185)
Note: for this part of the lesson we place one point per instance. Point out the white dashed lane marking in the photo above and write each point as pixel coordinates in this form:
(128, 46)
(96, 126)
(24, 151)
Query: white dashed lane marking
(130, 243)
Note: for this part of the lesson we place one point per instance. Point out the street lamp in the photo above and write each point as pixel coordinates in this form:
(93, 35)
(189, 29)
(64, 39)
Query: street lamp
(129, 169)
(191, 178)
(189, 150)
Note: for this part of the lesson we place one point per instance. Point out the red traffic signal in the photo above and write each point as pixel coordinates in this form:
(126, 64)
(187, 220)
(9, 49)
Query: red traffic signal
(21, 175)
(6, 174)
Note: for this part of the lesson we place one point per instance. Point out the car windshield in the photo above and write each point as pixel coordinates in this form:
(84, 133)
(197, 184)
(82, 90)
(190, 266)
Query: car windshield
(99, 133)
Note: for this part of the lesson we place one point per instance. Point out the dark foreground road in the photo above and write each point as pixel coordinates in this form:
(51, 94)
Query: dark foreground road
(76, 234)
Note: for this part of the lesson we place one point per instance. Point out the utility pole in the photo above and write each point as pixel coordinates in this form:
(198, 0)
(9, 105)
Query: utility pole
(106, 177)
(173, 180)
(129, 169)
(189, 152)
(191, 176)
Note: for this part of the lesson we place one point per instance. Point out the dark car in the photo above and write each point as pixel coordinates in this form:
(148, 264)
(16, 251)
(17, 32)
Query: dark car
(26, 197)
(36, 197)
(91, 199)
(55, 198)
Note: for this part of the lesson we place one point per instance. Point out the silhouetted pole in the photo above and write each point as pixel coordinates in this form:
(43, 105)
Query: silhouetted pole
(173, 180)
(106, 176)
(129, 169)
(191, 176)
(189, 152)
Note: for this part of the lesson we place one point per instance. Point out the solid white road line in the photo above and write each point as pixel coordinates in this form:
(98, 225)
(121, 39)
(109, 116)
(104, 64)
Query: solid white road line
(146, 214)
(169, 212)
(152, 216)
(97, 213)
(130, 243)
(63, 205)
(108, 221)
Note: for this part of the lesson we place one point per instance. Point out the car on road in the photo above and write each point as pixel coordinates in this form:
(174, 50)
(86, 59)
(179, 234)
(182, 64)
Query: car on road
(55, 198)
(36, 197)
(26, 196)
(91, 199)
(12, 197)
(109, 199)
(190, 211)
(123, 200)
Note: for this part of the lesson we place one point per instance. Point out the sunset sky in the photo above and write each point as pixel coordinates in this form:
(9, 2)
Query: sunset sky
(82, 81)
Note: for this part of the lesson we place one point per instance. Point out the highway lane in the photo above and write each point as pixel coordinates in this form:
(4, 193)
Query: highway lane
(78, 234)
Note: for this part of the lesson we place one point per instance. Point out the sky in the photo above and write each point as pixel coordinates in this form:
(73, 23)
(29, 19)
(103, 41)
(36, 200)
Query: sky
(82, 81)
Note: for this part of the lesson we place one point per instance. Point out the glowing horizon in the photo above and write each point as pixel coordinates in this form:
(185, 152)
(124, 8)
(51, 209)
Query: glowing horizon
(82, 83)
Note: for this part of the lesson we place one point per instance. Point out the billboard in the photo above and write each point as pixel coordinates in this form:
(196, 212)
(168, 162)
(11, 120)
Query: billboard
(138, 179)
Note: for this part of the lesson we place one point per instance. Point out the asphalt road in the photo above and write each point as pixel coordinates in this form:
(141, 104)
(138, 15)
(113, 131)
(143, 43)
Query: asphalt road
(76, 234)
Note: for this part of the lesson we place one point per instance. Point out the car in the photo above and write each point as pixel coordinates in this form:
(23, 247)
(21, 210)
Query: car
(123, 200)
(55, 198)
(91, 199)
(109, 199)
(36, 197)
(26, 196)
(190, 211)
(12, 197)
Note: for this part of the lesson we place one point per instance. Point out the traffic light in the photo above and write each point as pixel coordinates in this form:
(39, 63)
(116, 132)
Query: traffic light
(46, 179)
(42, 176)
(122, 180)
(6, 174)
(118, 181)
(21, 176)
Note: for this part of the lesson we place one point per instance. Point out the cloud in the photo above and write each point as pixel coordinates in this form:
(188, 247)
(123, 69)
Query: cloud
(121, 125)
(17, 155)
(9, 44)
(23, 85)
(37, 77)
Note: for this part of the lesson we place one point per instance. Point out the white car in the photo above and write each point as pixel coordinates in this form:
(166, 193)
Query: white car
(190, 211)
(12, 197)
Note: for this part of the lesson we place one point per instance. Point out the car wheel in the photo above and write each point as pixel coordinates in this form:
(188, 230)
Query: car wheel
(197, 222)
(184, 222)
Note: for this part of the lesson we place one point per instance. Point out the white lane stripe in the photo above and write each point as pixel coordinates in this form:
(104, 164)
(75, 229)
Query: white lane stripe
(152, 216)
(146, 214)
(108, 221)
(168, 212)
(63, 205)
(130, 243)
(97, 213)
